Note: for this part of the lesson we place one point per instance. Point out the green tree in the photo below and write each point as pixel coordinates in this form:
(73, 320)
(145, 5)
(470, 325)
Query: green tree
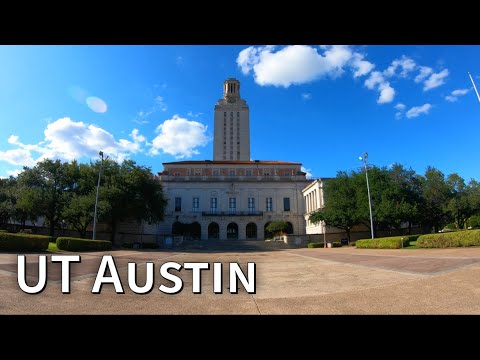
(45, 190)
(464, 199)
(132, 193)
(277, 227)
(7, 200)
(436, 194)
(340, 209)
(79, 212)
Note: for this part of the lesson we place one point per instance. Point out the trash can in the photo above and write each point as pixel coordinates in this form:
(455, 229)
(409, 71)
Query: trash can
(344, 241)
(329, 244)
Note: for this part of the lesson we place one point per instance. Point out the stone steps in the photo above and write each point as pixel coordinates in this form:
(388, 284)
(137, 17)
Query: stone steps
(232, 245)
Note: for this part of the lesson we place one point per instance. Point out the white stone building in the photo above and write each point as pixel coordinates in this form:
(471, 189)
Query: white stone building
(231, 196)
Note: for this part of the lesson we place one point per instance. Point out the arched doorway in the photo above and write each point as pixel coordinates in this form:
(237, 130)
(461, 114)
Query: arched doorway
(268, 235)
(189, 231)
(213, 231)
(177, 228)
(195, 231)
(251, 231)
(289, 228)
(232, 231)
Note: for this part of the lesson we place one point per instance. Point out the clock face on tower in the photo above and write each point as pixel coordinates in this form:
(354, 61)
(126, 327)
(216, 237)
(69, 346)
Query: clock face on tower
(231, 99)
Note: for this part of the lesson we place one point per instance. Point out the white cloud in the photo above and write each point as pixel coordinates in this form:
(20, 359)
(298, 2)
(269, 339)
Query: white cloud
(376, 81)
(299, 64)
(14, 172)
(306, 96)
(179, 60)
(67, 140)
(387, 93)
(308, 171)
(20, 157)
(179, 137)
(435, 80)
(361, 67)
(398, 115)
(405, 64)
(424, 72)
(455, 94)
(418, 110)
(158, 105)
(400, 107)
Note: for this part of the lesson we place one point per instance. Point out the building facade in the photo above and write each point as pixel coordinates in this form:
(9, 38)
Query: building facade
(232, 199)
(231, 196)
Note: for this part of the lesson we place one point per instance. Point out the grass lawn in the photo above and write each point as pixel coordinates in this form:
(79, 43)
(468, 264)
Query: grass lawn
(53, 247)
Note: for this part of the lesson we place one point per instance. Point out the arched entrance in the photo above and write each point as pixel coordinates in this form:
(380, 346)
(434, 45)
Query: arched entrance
(177, 228)
(213, 231)
(268, 235)
(251, 231)
(289, 228)
(188, 231)
(232, 231)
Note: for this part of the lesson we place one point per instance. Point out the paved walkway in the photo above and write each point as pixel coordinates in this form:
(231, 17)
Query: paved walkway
(298, 281)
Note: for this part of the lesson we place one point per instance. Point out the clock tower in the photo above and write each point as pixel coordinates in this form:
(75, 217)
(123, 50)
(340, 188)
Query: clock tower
(231, 125)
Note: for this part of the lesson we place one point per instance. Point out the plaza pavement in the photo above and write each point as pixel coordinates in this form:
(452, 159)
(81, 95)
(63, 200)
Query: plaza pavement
(295, 281)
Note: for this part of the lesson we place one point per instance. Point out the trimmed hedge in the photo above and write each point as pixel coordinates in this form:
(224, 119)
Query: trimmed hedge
(146, 245)
(393, 242)
(451, 239)
(76, 244)
(321, 245)
(23, 242)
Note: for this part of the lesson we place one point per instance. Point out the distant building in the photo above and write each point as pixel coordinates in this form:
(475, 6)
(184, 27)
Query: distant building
(231, 196)
(313, 198)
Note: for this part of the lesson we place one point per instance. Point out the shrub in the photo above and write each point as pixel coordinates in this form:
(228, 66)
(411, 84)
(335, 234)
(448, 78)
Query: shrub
(321, 245)
(393, 242)
(25, 231)
(23, 242)
(452, 239)
(76, 244)
(3, 231)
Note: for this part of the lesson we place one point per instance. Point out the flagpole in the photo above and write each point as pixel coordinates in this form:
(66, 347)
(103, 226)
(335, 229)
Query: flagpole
(478, 96)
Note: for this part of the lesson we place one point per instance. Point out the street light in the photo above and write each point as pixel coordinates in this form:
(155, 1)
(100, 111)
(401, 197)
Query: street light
(364, 159)
(96, 199)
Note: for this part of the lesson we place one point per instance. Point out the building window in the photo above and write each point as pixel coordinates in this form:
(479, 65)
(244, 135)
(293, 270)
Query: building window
(225, 113)
(232, 205)
(269, 204)
(213, 204)
(249, 172)
(178, 204)
(286, 204)
(232, 172)
(238, 114)
(251, 205)
(195, 204)
(215, 172)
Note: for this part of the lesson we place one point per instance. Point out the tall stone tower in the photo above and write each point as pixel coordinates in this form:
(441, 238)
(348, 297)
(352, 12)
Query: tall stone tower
(231, 125)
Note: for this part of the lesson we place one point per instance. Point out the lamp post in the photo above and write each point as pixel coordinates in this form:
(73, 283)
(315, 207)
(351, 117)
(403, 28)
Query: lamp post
(364, 159)
(96, 198)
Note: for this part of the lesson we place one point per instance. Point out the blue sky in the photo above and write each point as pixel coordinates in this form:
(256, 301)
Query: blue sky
(323, 106)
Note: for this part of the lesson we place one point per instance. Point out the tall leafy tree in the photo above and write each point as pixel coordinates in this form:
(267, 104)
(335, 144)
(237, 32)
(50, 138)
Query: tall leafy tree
(436, 195)
(132, 193)
(46, 189)
(340, 209)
